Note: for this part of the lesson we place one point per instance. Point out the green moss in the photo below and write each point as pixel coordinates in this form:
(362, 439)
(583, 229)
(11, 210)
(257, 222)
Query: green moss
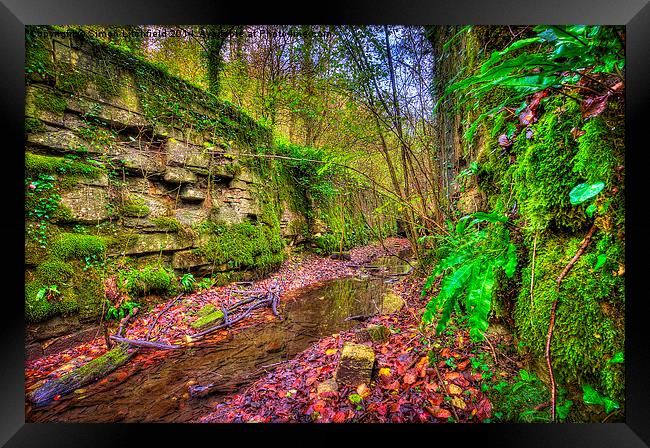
(53, 272)
(135, 207)
(45, 99)
(167, 223)
(36, 310)
(89, 292)
(149, 279)
(242, 246)
(33, 125)
(207, 319)
(76, 246)
(589, 325)
(38, 164)
(517, 401)
(544, 175)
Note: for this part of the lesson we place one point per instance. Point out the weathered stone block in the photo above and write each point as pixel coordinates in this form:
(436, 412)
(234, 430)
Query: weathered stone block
(355, 365)
(192, 193)
(156, 242)
(183, 154)
(392, 303)
(140, 161)
(187, 260)
(177, 175)
(58, 139)
(191, 216)
(376, 333)
(327, 388)
(87, 204)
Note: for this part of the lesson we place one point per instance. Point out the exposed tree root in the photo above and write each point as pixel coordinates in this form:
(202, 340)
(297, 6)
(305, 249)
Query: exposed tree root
(549, 336)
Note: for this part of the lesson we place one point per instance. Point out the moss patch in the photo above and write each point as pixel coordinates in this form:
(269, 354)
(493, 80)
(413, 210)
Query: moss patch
(153, 278)
(77, 246)
(38, 164)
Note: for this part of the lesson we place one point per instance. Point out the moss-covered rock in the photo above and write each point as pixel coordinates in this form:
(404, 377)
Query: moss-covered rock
(78, 246)
(208, 315)
(356, 364)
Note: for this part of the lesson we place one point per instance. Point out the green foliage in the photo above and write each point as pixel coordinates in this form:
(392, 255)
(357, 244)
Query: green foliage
(150, 279)
(37, 307)
(76, 246)
(516, 401)
(470, 267)
(556, 57)
(592, 396)
(583, 192)
(188, 282)
(120, 312)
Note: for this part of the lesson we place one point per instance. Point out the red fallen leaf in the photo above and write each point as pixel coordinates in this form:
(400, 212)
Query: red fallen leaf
(504, 140)
(463, 365)
(594, 106)
(529, 133)
(410, 378)
(436, 400)
(445, 353)
(484, 409)
(451, 376)
(339, 417)
(56, 397)
(438, 412)
(381, 409)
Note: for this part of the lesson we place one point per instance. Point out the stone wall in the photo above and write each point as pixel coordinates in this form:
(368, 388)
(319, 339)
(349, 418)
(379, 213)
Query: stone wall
(122, 151)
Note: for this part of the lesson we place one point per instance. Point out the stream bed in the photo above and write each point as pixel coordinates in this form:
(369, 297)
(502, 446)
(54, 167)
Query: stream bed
(160, 393)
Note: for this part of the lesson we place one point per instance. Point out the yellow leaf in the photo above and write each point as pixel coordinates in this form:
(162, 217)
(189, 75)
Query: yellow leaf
(384, 371)
(455, 390)
(330, 351)
(458, 402)
(187, 338)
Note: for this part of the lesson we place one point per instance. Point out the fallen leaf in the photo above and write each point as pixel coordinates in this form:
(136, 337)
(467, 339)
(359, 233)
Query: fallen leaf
(410, 378)
(458, 402)
(454, 390)
(438, 412)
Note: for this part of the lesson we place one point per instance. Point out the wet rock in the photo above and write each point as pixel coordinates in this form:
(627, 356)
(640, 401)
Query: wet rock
(355, 365)
(191, 216)
(392, 303)
(183, 154)
(341, 256)
(156, 242)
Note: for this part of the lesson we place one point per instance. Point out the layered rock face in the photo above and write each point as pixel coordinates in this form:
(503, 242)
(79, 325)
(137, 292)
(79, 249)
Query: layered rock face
(153, 166)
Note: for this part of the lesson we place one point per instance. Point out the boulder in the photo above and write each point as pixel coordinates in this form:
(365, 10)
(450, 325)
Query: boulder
(183, 154)
(208, 315)
(156, 242)
(355, 365)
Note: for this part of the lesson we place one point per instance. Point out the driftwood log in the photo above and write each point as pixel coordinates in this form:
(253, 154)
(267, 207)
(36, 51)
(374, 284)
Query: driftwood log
(86, 374)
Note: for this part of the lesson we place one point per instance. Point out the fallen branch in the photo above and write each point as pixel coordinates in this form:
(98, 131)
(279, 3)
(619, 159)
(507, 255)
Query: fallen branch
(81, 376)
(549, 336)
(147, 344)
(164, 310)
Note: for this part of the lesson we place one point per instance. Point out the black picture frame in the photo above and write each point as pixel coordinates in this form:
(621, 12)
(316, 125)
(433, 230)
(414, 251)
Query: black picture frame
(15, 14)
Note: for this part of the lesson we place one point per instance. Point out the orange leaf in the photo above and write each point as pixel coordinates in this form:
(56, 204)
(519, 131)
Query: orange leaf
(339, 417)
(410, 378)
(438, 412)
(363, 390)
